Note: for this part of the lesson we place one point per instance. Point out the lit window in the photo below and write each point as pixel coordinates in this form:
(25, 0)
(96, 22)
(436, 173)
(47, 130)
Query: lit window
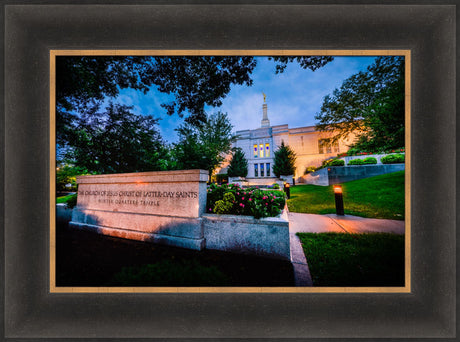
(261, 170)
(261, 150)
(255, 151)
(268, 169)
(256, 170)
(267, 150)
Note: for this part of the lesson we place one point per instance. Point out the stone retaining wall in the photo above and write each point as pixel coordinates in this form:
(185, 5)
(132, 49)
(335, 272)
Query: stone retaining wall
(340, 174)
(267, 237)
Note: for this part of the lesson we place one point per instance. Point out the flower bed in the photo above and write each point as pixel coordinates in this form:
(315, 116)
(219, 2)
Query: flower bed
(234, 200)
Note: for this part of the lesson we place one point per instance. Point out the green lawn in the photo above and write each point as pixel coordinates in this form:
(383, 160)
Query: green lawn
(375, 197)
(337, 259)
(64, 199)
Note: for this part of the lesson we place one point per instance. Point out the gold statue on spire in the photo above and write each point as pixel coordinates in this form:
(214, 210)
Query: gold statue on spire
(265, 96)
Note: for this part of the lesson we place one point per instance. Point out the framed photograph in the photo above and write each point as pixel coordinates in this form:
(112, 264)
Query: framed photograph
(153, 195)
(58, 285)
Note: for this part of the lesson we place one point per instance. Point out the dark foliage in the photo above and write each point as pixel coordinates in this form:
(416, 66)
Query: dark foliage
(116, 141)
(238, 165)
(204, 146)
(284, 163)
(370, 104)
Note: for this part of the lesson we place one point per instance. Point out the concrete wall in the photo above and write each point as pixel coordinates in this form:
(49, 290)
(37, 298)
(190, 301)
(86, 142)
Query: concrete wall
(319, 177)
(267, 237)
(340, 174)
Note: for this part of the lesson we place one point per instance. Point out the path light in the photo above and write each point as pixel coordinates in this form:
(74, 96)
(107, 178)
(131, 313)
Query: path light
(287, 190)
(338, 199)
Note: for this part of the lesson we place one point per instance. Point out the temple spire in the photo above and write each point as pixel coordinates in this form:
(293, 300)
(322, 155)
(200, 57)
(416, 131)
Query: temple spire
(265, 122)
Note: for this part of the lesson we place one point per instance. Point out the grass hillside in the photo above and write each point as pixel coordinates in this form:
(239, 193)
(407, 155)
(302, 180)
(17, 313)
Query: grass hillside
(375, 197)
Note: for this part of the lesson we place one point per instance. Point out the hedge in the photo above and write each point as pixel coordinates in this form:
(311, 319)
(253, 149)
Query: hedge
(356, 162)
(370, 160)
(393, 159)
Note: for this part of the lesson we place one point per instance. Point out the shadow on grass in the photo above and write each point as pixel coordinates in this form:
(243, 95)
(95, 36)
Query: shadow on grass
(88, 259)
(371, 259)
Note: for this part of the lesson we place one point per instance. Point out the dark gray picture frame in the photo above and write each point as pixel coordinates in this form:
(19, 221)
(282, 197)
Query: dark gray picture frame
(33, 29)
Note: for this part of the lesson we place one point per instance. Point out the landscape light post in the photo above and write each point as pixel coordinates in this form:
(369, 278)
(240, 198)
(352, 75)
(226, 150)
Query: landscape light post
(287, 190)
(338, 200)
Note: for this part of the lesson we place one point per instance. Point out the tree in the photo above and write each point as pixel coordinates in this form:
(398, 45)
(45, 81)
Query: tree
(285, 159)
(369, 104)
(306, 62)
(83, 82)
(204, 146)
(117, 141)
(238, 165)
(66, 174)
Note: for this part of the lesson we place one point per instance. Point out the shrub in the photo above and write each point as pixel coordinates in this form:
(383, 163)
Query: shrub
(67, 174)
(356, 162)
(393, 159)
(238, 165)
(396, 150)
(370, 160)
(71, 201)
(285, 159)
(267, 203)
(231, 199)
(275, 186)
(334, 162)
(225, 205)
(309, 169)
(216, 193)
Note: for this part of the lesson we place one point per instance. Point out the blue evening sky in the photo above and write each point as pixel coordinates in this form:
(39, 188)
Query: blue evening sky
(293, 97)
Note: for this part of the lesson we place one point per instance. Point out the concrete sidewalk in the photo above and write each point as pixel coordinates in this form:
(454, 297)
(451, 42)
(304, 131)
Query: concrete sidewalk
(312, 223)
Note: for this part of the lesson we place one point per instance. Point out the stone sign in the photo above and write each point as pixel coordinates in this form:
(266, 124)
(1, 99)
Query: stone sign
(162, 207)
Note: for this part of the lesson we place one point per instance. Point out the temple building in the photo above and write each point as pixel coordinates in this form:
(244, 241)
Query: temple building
(308, 144)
